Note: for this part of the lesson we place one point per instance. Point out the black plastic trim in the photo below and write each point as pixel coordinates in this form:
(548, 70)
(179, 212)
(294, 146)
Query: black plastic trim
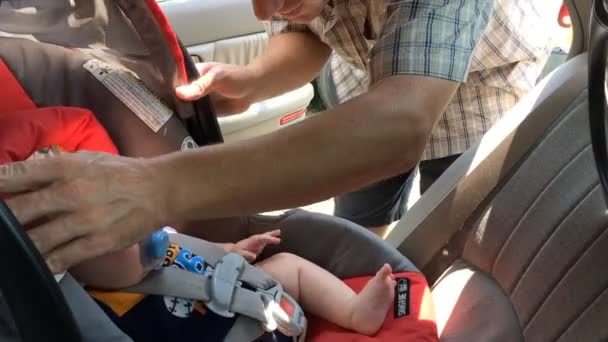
(597, 93)
(203, 125)
(37, 305)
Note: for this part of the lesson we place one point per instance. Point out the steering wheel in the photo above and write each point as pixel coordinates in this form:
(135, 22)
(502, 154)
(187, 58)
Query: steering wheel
(34, 299)
(598, 47)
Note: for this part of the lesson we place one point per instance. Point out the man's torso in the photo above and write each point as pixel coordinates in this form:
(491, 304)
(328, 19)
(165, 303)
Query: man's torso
(504, 66)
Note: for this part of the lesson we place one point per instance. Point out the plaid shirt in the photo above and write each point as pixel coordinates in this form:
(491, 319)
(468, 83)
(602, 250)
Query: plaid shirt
(497, 48)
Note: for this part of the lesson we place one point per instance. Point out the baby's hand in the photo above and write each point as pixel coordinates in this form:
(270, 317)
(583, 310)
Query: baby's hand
(252, 246)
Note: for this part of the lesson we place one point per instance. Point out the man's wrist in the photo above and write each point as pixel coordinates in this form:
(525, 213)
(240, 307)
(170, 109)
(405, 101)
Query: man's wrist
(254, 76)
(167, 189)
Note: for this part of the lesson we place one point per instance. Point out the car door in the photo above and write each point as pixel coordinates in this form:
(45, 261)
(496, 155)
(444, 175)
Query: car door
(227, 31)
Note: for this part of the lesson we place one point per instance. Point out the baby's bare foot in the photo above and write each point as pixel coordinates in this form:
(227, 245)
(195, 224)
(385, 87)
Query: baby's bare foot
(371, 305)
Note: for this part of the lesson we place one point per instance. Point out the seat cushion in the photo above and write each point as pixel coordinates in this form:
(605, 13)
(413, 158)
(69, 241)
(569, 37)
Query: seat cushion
(416, 321)
(542, 236)
(470, 306)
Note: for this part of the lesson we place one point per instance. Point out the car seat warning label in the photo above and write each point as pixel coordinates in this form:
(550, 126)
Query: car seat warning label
(402, 297)
(129, 89)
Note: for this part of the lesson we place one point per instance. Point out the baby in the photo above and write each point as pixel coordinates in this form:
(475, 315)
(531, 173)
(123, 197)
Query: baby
(318, 291)
(53, 131)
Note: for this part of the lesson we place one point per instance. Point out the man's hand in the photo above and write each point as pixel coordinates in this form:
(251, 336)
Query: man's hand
(230, 87)
(252, 246)
(97, 203)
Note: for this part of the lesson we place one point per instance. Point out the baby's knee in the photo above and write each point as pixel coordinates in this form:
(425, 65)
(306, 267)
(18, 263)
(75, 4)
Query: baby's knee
(284, 257)
(279, 261)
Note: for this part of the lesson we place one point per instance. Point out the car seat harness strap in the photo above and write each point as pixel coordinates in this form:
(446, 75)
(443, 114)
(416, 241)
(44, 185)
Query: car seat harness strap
(231, 286)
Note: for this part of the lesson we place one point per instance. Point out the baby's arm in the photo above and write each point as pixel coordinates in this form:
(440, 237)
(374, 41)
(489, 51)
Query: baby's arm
(252, 246)
(112, 271)
(124, 268)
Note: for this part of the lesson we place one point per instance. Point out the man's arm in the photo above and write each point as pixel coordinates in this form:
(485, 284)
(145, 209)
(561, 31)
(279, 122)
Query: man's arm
(376, 135)
(291, 60)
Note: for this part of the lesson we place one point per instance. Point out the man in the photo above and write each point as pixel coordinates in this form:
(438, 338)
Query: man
(371, 40)
(101, 203)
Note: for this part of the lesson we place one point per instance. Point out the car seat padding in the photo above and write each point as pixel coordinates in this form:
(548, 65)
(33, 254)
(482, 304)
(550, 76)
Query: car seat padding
(417, 325)
(14, 96)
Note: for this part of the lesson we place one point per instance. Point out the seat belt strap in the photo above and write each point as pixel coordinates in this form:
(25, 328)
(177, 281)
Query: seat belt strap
(212, 254)
(222, 290)
(226, 300)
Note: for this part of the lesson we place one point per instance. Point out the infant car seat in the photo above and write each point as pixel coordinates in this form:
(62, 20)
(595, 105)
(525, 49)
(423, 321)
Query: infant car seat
(120, 60)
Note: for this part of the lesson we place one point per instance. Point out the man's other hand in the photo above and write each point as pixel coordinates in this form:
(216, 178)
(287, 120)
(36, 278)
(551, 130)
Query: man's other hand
(230, 87)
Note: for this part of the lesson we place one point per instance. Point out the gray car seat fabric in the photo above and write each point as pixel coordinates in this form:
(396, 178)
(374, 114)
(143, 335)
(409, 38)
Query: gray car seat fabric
(92, 321)
(339, 246)
(537, 263)
(524, 252)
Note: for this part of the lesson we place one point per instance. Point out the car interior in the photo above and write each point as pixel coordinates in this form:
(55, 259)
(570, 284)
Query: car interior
(512, 237)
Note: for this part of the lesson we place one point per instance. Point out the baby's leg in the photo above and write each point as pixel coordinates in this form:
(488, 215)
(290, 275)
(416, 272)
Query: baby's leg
(322, 294)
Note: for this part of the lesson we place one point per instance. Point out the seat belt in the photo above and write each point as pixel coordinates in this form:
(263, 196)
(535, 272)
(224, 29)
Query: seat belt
(232, 286)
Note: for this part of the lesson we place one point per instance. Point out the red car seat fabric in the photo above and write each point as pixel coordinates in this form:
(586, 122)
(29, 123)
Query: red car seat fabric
(410, 318)
(25, 129)
(13, 95)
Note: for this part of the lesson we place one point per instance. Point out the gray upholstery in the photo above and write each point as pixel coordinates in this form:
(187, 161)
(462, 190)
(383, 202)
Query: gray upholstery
(524, 255)
(547, 250)
(94, 324)
(538, 245)
(470, 306)
(340, 246)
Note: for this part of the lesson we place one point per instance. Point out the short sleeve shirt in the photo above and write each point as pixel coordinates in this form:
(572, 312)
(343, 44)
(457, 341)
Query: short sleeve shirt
(495, 48)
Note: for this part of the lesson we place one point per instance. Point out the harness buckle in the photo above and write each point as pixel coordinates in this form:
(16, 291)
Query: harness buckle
(283, 313)
(224, 281)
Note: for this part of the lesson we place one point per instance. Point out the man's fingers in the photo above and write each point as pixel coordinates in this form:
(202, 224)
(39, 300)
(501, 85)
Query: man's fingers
(77, 251)
(199, 88)
(27, 175)
(49, 236)
(47, 202)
